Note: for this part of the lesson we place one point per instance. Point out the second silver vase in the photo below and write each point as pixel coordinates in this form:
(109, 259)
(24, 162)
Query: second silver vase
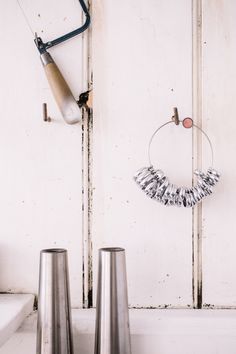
(112, 317)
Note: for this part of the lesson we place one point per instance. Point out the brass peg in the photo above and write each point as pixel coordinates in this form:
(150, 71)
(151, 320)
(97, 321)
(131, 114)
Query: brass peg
(175, 117)
(46, 118)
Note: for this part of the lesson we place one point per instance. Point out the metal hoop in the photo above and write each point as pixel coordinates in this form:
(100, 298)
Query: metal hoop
(157, 186)
(171, 121)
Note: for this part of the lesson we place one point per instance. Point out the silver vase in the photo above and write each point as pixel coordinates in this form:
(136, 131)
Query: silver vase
(54, 332)
(112, 317)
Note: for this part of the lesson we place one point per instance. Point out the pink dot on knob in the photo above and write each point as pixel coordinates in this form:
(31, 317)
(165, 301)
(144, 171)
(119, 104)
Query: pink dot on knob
(187, 122)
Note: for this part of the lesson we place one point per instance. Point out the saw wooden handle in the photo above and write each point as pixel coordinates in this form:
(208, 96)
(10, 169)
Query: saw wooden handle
(61, 91)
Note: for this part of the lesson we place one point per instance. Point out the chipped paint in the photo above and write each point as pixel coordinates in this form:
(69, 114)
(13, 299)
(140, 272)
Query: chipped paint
(161, 307)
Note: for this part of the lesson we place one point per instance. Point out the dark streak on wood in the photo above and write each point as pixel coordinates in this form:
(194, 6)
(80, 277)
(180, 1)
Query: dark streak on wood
(87, 129)
(193, 262)
(90, 298)
(199, 295)
(35, 306)
(83, 259)
(90, 203)
(83, 280)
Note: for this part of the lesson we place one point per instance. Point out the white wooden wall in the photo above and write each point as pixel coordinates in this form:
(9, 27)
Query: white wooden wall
(61, 187)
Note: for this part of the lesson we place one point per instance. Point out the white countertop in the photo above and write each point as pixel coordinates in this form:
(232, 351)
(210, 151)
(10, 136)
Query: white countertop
(14, 308)
(152, 332)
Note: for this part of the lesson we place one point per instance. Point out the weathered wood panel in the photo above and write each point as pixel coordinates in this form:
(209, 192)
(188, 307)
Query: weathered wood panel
(142, 55)
(219, 86)
(40, 162)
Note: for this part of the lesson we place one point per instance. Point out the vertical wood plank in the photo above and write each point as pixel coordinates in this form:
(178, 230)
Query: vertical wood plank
(219, 86)
(142, 58)
(40, 162)
(86, 168)
(197, 148)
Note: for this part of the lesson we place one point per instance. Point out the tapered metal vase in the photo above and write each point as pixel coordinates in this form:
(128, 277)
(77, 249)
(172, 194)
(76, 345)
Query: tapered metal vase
(54, 331)
(112, 316)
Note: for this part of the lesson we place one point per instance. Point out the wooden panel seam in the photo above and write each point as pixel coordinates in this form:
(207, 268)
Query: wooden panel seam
(197, 149)
(87, 129)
